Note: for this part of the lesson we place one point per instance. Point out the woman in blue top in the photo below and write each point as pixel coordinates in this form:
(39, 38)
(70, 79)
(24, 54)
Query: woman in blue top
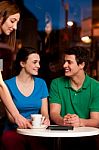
(29, 94)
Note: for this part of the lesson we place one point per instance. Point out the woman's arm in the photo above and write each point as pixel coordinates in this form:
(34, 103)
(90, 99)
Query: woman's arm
(10, 106)
(44, 111)
(20, 121)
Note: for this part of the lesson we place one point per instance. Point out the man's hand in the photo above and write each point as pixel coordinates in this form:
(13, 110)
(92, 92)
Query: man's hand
(72, 120)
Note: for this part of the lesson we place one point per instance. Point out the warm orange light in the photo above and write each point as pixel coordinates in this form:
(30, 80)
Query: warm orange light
(86, 39)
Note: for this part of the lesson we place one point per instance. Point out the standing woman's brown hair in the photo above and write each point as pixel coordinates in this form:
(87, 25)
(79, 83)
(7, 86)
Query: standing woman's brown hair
(9, 17)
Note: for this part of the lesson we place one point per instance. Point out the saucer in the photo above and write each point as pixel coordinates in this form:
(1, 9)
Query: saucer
(40, 127)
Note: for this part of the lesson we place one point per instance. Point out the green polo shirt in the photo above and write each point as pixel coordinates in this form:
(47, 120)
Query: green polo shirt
(80, 102)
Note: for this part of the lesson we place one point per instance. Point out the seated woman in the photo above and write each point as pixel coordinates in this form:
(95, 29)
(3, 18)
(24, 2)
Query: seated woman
(29, 93)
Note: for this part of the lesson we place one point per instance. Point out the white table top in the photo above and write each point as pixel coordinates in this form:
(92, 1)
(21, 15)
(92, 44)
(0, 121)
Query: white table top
(76, 132)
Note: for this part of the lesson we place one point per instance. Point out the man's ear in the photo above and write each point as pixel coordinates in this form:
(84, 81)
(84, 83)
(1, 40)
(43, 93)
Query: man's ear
(82, 65)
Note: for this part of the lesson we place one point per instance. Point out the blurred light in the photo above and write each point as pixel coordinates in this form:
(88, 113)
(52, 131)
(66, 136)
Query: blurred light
(48, 28)
(86, 39)
(70, 23)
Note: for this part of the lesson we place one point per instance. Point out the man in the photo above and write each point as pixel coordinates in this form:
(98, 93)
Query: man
(74, 98)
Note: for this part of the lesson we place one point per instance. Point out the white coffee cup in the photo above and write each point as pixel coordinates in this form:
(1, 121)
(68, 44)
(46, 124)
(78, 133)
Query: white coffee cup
(37, 119)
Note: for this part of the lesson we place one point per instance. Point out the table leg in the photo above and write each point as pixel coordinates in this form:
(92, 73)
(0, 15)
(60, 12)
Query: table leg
(57, 143)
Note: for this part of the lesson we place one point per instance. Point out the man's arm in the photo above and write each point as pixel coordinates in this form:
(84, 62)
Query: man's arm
(55, 114)
(93, 121)
(74, 120)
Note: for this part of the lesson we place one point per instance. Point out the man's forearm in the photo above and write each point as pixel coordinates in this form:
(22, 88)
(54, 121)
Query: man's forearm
(57, 119)
(89, 122)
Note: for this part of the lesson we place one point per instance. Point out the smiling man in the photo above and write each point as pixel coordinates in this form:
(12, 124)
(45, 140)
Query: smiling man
(74, 98)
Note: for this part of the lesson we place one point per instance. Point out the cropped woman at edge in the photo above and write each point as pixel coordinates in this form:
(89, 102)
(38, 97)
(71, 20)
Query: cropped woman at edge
(9, 17)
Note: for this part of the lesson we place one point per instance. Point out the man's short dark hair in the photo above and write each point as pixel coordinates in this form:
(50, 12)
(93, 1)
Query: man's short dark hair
(81, 54)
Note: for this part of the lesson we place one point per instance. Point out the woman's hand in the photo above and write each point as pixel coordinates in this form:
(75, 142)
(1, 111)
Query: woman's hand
(46, 121)
(22, 122)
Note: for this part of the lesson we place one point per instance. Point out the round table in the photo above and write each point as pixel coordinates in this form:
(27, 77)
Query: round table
(76, 132)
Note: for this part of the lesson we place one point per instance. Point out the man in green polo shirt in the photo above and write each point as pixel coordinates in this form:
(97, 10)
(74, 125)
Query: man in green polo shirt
(74, 98)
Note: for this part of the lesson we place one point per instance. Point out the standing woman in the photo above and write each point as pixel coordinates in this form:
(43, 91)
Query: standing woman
(29, 94)
(9, 17)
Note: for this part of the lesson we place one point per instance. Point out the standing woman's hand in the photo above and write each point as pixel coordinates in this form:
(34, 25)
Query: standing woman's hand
(19, 120)
(22, 122)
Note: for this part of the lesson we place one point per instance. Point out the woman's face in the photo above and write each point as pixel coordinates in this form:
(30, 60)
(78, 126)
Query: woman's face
(32, 65)
(10, 24)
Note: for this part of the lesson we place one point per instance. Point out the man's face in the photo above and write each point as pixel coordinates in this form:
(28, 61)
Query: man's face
(71, 67)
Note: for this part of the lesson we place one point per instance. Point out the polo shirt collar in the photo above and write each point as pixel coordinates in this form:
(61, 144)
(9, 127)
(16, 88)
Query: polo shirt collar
(86, 81)
(85, 84)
